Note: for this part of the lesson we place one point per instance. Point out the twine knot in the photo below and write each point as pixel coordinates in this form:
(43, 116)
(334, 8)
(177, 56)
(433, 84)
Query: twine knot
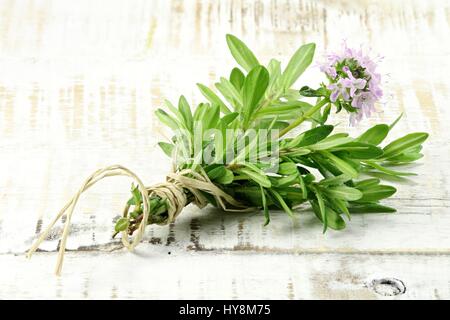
(173, 190)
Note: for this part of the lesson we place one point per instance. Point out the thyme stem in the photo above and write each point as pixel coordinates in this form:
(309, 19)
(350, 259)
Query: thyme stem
(304, 117)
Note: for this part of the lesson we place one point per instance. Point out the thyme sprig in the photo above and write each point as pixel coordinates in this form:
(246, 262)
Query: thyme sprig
(330, 171)
(239, 152)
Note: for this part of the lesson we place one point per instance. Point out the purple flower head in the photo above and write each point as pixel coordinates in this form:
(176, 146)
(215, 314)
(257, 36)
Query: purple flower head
(364, 101)
(338, 90)
(354, 81)
(351, 82)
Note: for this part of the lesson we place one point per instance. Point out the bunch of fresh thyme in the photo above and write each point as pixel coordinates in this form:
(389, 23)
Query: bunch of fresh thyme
(234, 151)
(240, 140)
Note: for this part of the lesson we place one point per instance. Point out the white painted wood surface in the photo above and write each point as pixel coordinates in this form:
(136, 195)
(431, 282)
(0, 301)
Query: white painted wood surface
(78, 86)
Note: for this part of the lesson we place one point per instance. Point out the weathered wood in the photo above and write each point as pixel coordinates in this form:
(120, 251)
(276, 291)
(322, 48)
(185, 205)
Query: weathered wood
(155, 274)
(79, 84)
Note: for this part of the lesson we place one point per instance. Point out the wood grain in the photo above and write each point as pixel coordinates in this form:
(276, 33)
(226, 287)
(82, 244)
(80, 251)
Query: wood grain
(215, 275)
(79, 84)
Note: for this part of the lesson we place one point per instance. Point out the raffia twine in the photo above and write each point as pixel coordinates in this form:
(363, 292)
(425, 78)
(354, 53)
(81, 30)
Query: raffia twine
(172, 190)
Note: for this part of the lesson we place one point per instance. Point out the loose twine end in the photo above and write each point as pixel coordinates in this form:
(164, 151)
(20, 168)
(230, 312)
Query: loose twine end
(172, 190)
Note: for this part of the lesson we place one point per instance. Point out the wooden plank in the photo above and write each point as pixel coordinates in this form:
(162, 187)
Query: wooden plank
(78, 88)
(150, 274)
(209, 229)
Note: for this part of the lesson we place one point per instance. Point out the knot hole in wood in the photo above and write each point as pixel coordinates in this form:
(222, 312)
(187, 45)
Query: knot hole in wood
(387, 286)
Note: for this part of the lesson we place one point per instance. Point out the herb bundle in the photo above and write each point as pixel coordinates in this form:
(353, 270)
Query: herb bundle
(238, 151)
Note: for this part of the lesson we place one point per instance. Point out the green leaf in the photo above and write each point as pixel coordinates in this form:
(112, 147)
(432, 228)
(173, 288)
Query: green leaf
(376, 193)
(241, 53)
(303, 187)
(265, 207)
(331, 141)
(310, 92)
(220, 174)
(137, 196)
(310, 137)
(227, 119)
(227, 178)
(274, 68)
(308, 178)
(281, 202)
(131, 201)
(374, 135)
(200, 112)
(213, 98)
(406, 157)
(326, 113)
(301, 59)
(167, 148)
(230, 93)
(216, 172)
(392, 125)
(367, 183)
(121, 224)
(359, 150)
(298, 152)
(323, 213)
(370, 208)
(211, 117)
(248, 149)
(158, 206)
(344, 193)
(255, 85)
(334, 220)
(166, 119)
(287, 107)
(257, 177)
(270, 124)
(347, 106)
(134, 214)
(332, 181)
(288, 168)
(174, 110)
(185, 110)
(341, 205)
(285, 181)
(342, 165)
(400, 145)
(388, 171)
(237, 78)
